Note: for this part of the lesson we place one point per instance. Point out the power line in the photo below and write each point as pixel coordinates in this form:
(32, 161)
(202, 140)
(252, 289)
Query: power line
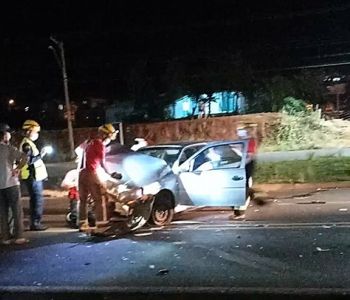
(315, 66)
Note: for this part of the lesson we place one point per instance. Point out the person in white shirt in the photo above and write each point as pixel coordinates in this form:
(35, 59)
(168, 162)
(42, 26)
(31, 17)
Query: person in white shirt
(11, 162)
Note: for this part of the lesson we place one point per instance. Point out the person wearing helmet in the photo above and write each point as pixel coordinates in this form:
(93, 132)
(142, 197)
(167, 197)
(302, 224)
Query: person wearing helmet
(6, 133)
(34, 173)
(11, 161)
(91, 180)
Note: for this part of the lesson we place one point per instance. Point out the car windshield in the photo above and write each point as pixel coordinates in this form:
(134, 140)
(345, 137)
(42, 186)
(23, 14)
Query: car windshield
(169, 154)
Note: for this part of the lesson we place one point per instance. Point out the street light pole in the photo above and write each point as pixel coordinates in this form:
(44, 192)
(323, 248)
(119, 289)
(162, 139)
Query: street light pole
(62, 64)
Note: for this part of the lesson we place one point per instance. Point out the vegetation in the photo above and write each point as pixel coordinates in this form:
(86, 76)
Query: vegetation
(302, 129)
(323, 169)
(268, 94)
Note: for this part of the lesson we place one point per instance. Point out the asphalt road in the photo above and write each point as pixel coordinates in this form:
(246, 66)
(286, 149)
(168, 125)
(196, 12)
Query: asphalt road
(296, 246)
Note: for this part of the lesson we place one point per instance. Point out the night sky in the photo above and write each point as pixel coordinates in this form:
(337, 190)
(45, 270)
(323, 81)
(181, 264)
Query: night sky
(104, 40)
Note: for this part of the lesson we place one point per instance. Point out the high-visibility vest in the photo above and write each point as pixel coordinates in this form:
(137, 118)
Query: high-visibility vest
(40, 172)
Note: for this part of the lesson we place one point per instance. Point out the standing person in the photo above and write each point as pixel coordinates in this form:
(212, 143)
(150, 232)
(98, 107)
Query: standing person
(11, 162)
(245, 134)
(34, 173)
(91, 176)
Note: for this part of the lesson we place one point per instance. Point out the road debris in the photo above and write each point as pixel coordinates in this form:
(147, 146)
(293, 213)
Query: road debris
(163, 272)
(319, 249)
(301, 256)
(179, 243)
(249, 246)
(151, 266)
(143, 234)
(125, 258)
(157, 228)
(313, 202)
(256, 210)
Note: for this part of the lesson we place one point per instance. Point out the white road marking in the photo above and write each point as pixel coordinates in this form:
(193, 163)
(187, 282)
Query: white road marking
(261, 225)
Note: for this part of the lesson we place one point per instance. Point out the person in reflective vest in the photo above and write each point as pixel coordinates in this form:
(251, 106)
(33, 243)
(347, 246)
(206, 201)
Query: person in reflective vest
(34, 173)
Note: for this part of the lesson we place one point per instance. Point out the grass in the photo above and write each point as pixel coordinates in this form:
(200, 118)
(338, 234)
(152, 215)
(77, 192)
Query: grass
(325, 169)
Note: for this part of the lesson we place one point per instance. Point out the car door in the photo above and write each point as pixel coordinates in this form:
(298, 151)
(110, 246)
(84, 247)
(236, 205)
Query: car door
(185, 154)
(215, 176)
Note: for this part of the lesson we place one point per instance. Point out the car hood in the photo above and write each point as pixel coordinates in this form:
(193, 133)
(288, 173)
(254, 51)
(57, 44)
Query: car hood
(137, 169)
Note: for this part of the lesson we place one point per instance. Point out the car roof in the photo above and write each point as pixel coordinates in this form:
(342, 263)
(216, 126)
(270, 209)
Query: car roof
(183, 144)
(175, 144)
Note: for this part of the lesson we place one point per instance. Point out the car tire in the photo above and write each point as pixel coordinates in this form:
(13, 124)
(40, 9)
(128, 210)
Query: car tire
(163, 209)
(69, 218)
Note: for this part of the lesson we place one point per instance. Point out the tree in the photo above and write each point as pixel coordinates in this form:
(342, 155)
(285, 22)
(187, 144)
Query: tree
(267, 94)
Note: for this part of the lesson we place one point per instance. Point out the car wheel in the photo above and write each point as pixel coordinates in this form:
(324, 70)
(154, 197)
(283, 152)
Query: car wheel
(163, 209)
(162, 216)
(68, 217)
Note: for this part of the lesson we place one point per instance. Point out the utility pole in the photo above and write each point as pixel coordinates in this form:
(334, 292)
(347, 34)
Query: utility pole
(62, 63)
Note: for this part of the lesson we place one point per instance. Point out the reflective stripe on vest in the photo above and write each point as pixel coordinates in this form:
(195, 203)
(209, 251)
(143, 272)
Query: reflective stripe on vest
(40, 172)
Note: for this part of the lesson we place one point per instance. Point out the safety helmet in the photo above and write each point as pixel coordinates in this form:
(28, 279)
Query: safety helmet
(31, 125)
(5, 128)
(109, 130)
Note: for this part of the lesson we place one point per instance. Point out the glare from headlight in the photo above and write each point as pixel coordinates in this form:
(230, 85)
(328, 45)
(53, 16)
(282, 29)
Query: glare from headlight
(122, 188)
(48, 149)
(152, 188)
(139, 193)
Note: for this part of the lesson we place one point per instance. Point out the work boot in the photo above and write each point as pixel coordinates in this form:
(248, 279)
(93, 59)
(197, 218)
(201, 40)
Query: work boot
(83, 226)
(6, 242)
(21, 241)
(38, 227)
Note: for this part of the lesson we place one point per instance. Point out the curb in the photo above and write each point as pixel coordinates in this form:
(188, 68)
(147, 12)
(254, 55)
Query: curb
(276, 187)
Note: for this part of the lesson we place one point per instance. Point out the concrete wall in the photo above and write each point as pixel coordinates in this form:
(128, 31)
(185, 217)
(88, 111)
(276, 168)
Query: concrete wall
(218, 128)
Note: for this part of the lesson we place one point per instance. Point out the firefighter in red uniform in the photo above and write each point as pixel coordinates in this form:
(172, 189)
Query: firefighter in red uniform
(90, 181)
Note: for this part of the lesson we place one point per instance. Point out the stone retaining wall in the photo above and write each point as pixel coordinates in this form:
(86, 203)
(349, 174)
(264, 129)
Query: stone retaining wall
(215, 128)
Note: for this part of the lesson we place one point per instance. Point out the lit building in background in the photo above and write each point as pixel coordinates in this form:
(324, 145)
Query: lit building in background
(225, 102)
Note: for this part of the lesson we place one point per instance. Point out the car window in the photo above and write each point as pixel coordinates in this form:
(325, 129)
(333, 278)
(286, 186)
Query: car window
(219, 157)
(188, 152)
(168, 154)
